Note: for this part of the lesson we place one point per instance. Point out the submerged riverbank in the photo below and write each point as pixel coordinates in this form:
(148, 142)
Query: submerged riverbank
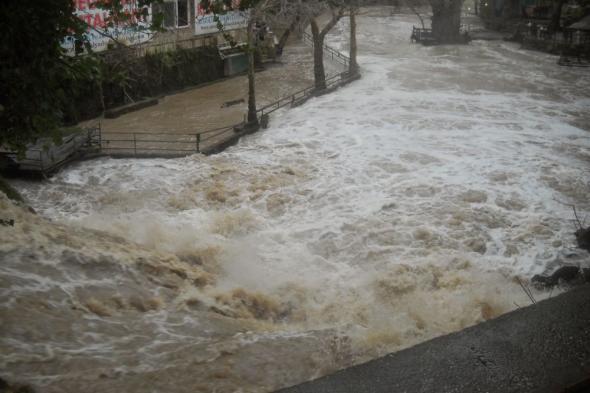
(396, 210)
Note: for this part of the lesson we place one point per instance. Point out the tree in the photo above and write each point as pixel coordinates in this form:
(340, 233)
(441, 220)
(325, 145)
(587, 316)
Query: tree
(556, 16)
(446, 21)
(353, 67)
(257, 10)
(36, 71)
(295, 22)
(34, 68)
(318, 35)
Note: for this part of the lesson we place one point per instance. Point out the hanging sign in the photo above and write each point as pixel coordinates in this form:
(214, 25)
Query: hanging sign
(205, 22)
(103, 30)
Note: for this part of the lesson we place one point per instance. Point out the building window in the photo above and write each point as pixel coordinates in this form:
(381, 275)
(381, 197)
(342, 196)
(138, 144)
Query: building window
(182, 13)
(175, 13)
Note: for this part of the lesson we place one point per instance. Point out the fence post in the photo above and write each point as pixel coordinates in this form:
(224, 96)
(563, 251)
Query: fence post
(198, 136)
(134, 145)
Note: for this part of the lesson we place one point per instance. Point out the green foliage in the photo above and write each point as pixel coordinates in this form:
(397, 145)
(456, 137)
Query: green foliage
(121, 13)
(34, 68)
(129, 77)
(10, 192)
(222, 6)
(37, 77)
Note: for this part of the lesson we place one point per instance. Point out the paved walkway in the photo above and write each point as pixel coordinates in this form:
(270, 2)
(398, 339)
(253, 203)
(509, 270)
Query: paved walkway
(202, 108)
(541, 348)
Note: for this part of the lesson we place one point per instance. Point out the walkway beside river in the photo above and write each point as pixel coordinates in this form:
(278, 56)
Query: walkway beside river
(203, 108)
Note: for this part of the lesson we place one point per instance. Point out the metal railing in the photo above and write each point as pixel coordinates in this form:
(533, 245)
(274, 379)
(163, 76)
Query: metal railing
(421, 34)
(295, 98)
(146, 144)
(46, 157)
(328, 51)
(424, 34)
(154, 45)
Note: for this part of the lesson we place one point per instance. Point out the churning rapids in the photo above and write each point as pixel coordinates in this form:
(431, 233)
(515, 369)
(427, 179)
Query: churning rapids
(397, 209)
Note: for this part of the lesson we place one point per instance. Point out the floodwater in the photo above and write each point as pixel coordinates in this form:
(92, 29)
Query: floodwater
(397, 209)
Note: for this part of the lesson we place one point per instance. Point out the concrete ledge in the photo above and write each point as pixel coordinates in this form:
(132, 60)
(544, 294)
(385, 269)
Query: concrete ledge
(134, 106)
(540, 348)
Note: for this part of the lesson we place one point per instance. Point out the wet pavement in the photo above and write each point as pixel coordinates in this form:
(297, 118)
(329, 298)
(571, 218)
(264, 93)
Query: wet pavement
(206, 107)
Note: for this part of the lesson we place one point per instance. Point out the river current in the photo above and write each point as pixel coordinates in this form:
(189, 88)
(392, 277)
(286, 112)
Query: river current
(401, 207)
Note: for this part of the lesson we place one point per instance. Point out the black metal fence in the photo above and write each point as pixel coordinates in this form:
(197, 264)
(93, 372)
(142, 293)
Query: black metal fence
(46, 157)
(329, 52)
(147, 144)
(301, 95)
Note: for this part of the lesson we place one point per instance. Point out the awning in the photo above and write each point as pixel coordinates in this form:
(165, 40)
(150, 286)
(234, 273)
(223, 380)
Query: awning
(582, 24)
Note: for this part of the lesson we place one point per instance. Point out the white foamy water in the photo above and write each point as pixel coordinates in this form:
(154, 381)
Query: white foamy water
(397, 209)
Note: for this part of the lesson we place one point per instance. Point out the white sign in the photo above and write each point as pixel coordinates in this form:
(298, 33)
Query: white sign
(100, 35)
(205, 22)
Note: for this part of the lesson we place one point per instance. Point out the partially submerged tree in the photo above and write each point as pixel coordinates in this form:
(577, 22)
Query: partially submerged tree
(446, 21)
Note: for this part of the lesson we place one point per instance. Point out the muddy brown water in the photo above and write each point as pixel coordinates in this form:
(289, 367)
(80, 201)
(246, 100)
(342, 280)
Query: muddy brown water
(397, 209)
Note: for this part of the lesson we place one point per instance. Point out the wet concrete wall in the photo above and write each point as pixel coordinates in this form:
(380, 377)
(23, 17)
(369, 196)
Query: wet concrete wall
(128, 77)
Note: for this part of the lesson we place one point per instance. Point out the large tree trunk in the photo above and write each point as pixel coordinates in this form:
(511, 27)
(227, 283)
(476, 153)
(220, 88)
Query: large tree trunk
(353, 65)
(318, 36)
(287, 33)
(556, 17)
(252, 118)
(446, 21)
(319, 73)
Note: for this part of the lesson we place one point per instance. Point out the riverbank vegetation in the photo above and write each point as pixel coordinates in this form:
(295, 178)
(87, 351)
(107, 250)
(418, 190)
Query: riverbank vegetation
(38, 73)
(10, 192)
